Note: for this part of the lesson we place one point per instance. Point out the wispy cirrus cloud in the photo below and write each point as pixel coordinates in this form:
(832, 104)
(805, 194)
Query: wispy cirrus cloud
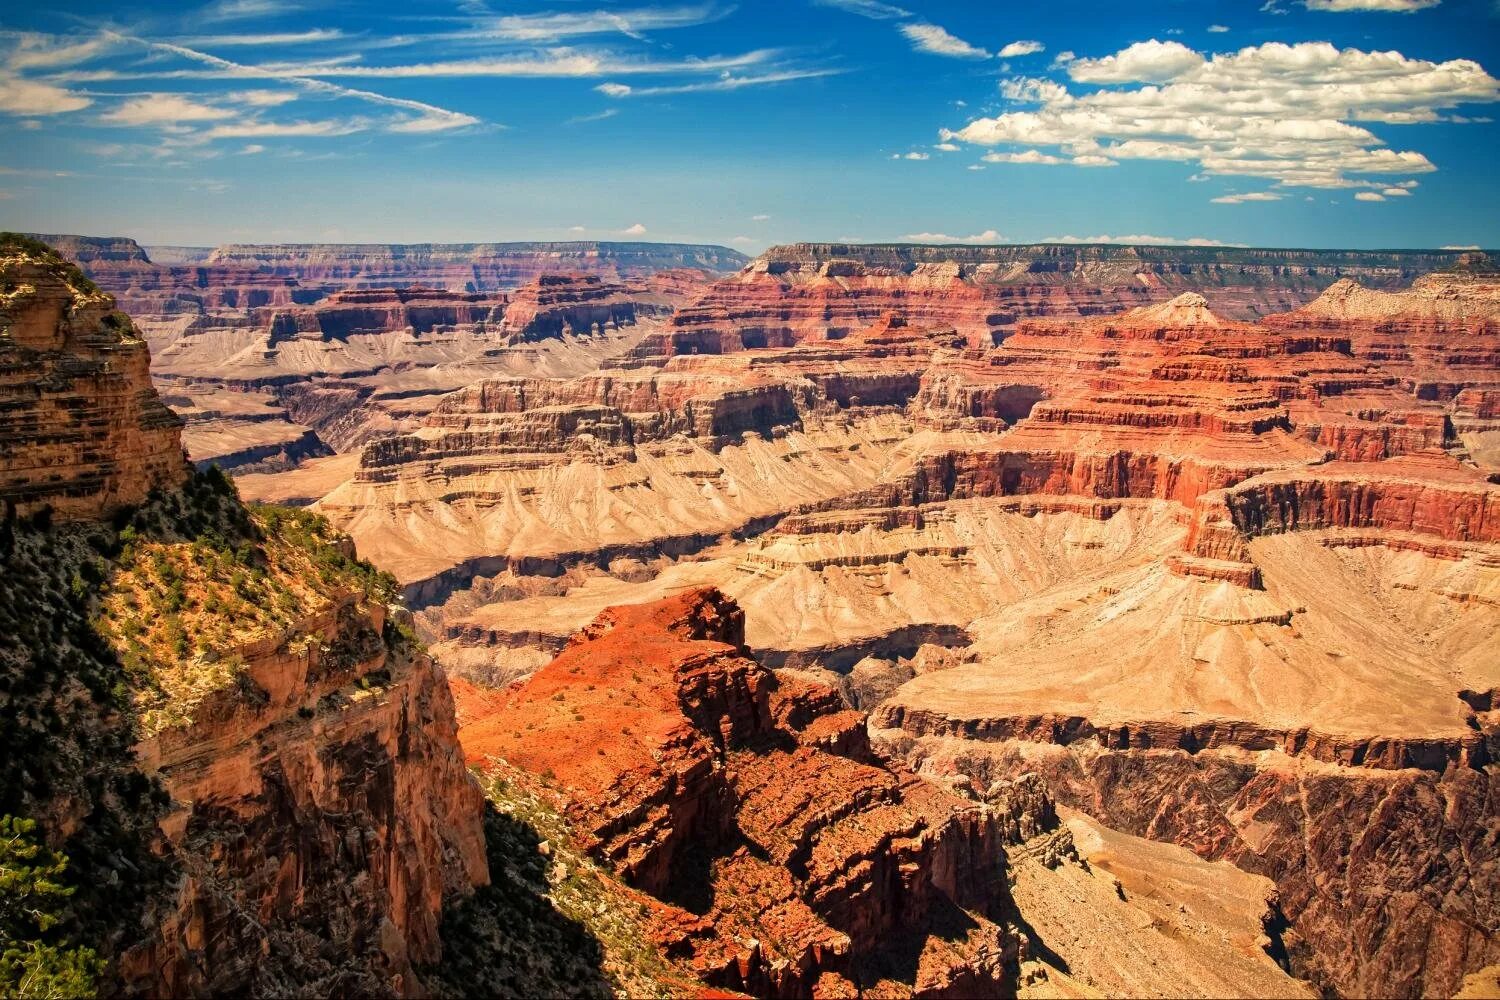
(1144, 239)
(873, 9)
(551, 27)
(1389, 6)
(727, 81)
(309, 37)
(164, 109)
(939, 41)
(1240, 199)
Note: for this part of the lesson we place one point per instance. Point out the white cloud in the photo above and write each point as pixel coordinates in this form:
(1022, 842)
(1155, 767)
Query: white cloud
(926, 37)
(1093, 160)
(1393, 6)
(1470, 246)
(1396, 192)
(598, 116)
(741, 240)
(414, 116)
(867, 8)
(1028, 156)
(1240, 199)
(261, 98)
(1369, 196)
(913, 155)
(278, 130)
(759, 218)
(31, 97)
(577, 229)
(947, 147)
(1143, 62)
(633, 23)
(35, 50)
(1217, 29)
(268, 38)
(988, 236)
(725, 82)
(233, 10)
(1021, 48)
(1289, 113)
(635, 230)
(1142, 239)
(559, 62)
(252, 149)
(164, 109)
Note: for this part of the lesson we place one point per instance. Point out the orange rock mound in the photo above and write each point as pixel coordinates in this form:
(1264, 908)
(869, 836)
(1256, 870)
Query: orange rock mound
(753, 803)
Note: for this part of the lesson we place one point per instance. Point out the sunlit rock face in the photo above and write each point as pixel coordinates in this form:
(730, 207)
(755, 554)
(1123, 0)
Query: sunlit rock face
(1167, 556)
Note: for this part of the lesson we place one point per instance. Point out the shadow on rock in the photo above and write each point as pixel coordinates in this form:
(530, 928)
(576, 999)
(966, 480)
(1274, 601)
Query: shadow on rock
(508, 939)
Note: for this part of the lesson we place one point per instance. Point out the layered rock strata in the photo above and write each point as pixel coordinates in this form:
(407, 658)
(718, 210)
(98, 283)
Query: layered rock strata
(250, 761)
(82, 432)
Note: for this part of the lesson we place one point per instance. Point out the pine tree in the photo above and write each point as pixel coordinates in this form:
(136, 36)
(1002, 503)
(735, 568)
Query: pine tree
(36, 957)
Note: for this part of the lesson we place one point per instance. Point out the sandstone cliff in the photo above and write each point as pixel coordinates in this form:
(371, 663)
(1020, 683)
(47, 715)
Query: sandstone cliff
(82, 433)
(219, 715)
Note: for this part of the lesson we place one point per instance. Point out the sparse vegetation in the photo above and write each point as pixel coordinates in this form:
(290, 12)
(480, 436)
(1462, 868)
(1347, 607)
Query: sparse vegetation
(552, 923)
(111, 631)
(197, 576)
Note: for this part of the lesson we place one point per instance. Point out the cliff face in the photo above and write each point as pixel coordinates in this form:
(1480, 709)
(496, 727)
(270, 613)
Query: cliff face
(252, 764)
(279, 354)
(81, 430)
(488, 266)
(1116, 550)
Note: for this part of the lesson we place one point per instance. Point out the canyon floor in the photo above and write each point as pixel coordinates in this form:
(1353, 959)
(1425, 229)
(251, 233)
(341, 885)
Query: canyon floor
(1124, 624)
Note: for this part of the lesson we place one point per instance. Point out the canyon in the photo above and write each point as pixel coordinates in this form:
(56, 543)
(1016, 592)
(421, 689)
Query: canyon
(1252, 561)
(858, 620)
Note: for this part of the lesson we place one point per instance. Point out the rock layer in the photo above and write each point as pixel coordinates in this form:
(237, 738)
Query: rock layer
(81, 430)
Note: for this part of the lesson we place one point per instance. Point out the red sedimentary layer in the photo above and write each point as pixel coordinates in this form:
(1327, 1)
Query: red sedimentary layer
(754, 802)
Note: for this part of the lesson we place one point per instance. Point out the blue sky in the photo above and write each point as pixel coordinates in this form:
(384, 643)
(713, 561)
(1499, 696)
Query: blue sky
(1350, 123)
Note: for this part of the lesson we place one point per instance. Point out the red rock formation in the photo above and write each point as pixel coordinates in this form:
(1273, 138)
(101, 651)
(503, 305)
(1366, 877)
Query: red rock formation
(318, 807)
(755, 802)
(577, 305)
(821, 291)
(484, 266)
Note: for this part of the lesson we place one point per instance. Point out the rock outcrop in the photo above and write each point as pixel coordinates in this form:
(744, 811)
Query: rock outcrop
(220, 715)
(1250, 549)
(822, 291)
(755, 804)
(82, 432)
(395, 326)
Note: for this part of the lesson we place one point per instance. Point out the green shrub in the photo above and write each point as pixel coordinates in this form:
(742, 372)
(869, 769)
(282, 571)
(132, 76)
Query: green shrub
(37, 958)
